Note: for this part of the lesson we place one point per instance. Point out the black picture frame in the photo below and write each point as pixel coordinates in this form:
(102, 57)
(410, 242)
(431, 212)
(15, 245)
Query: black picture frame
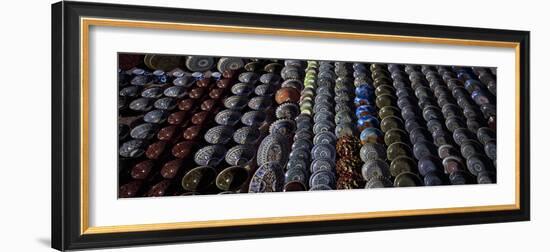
(66, 156)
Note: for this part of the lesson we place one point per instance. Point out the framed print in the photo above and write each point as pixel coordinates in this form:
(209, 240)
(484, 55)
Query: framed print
(179, 125)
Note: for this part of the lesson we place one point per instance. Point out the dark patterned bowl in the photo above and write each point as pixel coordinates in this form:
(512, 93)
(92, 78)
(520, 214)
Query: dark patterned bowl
(398, 149)
(285, 127)
(323, 151)
(248, 77)
(232, 178)
(321, 165)
(298, 175)
(391, 122)
(273, 67)
(140, 104)
(236, 102)
(300, 153)
(485, 135)
(323, 117)
(184, 81)
(292, 83)
(260, 103)
(132, 149)
(243, 89)
(156, 116)
(219, 134)
(424, 148)
(378, 182)
(407, 179)
(323, 126)
(470, 147)
(175, 92)
(302, 143)
(239, 155)
(296, 163)
(210, 155)
(230, 64)
(253, 118)
(253, 66)
(303, 133)
(198, 179)
(154, 92)
(287, 111)
(402, 164)
(462, 134)
(395, 135)
(228, 117)
(429, 164)
(166, 103)
(246, 135)
(371, 151)
(264, 90)
(139, 80)
(270, 78)
(144, 131)
(375, 168)
(199, 63)
(325, 138)
(322, 178)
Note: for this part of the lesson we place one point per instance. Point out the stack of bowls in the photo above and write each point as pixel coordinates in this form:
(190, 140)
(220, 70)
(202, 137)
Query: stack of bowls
(348, 164)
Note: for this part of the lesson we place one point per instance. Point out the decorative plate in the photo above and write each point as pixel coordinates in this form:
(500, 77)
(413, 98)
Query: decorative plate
(268, 178)
(274, 147)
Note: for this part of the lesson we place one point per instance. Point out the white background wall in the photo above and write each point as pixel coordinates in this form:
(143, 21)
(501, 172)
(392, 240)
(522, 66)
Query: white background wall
(25, 125)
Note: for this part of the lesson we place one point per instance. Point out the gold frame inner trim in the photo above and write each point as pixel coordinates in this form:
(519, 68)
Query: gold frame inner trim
(86, 23)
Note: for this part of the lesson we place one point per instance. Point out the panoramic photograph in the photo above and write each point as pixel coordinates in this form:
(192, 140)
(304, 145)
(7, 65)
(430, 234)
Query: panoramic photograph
(202, 125)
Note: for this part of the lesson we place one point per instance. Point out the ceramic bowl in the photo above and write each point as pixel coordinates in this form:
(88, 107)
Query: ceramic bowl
(375, 168)
(260, 103)
(236, 102)
(210, 155)
(140, 104)
(246, 135)
(239, 155)
(144, 131)
(232, 178)
(243, 89)
(253, 118)
(156, 116)
(228, 117)
(198, 179)
(219, 134)
(132, 148)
